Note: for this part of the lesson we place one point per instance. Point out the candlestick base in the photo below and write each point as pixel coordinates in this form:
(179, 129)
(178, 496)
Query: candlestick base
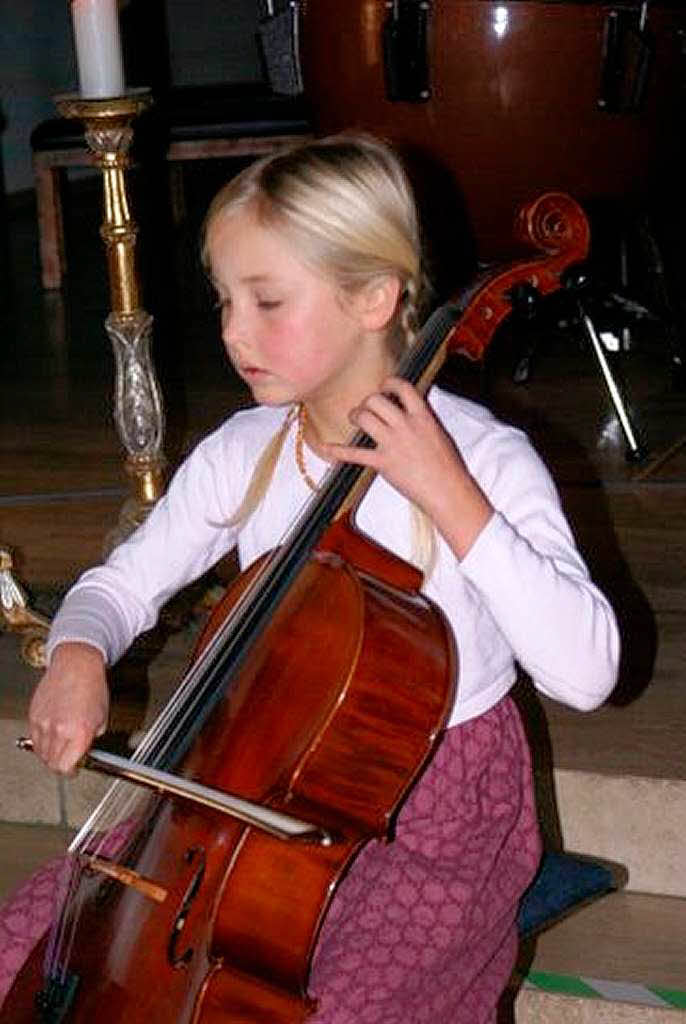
(19, 617)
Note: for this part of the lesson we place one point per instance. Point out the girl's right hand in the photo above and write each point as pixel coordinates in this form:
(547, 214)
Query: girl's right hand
(69, 706)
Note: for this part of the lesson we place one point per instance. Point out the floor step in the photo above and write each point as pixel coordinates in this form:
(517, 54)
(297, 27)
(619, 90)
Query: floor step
(619, 959)
(535, 1007)
(633, 938)
(637, 822)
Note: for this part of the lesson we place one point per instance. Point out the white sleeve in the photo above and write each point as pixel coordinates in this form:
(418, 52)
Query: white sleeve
(529, 572)
(184, 535)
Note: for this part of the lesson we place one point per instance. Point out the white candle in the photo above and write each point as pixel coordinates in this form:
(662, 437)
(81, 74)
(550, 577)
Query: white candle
(98, 48)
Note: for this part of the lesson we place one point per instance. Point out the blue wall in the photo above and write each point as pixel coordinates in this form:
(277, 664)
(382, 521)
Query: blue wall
(35, 63)
(209, 41)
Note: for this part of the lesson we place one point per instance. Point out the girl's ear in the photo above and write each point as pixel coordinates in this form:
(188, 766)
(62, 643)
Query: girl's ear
(376, 302)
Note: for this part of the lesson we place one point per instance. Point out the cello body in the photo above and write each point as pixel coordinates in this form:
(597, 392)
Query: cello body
(331, 719)
(511, 98)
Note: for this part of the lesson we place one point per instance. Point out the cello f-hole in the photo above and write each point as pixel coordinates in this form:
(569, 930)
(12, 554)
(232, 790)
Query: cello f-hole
(176, 959)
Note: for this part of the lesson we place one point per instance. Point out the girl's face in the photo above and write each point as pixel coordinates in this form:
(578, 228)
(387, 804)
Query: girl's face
(288, 331)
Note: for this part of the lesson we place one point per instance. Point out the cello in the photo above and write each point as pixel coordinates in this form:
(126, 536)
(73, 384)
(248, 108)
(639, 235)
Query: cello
(202, 903)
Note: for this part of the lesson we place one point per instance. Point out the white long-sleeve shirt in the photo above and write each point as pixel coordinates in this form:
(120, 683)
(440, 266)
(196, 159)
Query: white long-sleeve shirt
(521, 594)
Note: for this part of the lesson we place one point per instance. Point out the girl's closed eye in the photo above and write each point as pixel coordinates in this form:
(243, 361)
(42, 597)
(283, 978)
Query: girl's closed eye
(269, 303)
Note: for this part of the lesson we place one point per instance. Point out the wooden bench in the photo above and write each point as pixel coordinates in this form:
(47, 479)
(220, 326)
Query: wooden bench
(187, 123)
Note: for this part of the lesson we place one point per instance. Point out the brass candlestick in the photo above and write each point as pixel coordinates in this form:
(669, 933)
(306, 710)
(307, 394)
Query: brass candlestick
(138, 408)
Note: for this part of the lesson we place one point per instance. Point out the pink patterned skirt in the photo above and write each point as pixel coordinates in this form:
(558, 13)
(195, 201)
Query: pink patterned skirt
(424, 928)
(421, 929)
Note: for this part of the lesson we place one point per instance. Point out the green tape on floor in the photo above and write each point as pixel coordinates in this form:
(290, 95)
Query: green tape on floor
(671, 995)
(560, 983)
(596, 988)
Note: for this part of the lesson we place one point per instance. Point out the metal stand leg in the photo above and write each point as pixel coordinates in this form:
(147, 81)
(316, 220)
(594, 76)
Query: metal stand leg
(525, 307)
(635, 451)
(578, 284)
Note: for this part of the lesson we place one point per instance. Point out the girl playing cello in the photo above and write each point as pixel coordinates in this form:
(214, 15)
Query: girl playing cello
(315, 257)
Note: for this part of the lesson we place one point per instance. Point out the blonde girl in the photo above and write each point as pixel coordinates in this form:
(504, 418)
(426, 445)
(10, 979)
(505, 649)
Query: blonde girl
(316, 260)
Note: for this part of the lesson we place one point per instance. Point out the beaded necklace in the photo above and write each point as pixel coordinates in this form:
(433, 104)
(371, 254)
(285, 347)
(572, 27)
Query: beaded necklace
(300, 448)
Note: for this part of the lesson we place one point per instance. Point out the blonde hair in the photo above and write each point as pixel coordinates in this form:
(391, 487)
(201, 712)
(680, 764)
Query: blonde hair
(346, 205)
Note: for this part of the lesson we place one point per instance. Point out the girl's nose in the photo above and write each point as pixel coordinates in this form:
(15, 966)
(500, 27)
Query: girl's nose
(233, 328)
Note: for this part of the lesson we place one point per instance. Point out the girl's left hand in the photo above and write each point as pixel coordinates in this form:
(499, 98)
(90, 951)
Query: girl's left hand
(416, 456)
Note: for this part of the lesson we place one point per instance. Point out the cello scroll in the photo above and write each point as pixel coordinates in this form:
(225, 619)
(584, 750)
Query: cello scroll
(556, 225)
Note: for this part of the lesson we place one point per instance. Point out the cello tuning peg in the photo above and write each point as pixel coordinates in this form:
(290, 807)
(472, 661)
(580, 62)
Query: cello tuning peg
(576, 278)
(524, 299)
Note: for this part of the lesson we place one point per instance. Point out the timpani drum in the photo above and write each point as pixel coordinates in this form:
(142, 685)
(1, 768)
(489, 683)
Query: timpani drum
(512, 98)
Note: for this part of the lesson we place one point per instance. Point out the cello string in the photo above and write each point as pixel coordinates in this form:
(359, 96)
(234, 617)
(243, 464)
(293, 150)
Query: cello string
(55, 960)
(55, 939)
(69, 923)
(65, 928)
(55, 955)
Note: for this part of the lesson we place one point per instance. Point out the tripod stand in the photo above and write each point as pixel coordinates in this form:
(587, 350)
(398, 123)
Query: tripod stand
(580, 307)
